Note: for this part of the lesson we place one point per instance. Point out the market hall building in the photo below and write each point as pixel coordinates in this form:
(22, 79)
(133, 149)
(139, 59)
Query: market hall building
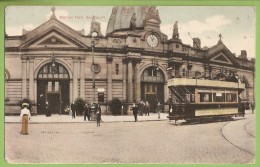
(132, 61)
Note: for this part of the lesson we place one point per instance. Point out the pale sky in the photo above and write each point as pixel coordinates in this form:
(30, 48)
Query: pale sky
(236, 24)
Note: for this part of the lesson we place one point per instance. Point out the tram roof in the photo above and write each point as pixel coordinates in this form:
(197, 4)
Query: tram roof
(178, 82)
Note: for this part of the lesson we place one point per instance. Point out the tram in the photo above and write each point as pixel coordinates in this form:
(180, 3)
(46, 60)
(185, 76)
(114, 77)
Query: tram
(201, 98)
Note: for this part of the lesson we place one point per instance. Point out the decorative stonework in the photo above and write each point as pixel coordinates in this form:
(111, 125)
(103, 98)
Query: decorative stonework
(175, 33)
(132, 22)
(95, 27)
(117, 41)
(53, 41)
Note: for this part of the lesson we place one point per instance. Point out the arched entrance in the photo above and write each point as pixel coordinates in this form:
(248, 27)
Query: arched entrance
(53, 86)
(152, 86)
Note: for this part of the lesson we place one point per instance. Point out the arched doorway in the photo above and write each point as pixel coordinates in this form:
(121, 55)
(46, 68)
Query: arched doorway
(53, 86)
(152, 86)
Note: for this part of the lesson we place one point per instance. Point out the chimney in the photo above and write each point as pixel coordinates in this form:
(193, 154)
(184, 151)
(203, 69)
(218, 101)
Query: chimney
(196, 43)
(243, 54)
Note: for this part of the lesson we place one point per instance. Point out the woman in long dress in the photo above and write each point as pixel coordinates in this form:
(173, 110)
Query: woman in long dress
(25, 116)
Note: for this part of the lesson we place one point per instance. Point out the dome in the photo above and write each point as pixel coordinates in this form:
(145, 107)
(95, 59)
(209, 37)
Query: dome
(121, 16)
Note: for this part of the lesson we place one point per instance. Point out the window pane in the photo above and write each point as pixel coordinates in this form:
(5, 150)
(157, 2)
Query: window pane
(49, 86)
(44, 75)
(60, 69)
(154, 88)
(50, 76)
(56, 86)
(45, 69)
(205, 97)
(66, 75)
(56, 76)
(219, 97)
(147, 88)
(60, 75)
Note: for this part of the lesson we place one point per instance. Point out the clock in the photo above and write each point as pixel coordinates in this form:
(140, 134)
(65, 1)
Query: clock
(152, 41)
(96, 68)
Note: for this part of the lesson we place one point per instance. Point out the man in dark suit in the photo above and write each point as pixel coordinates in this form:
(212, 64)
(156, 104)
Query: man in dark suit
(135, 111)
(73, 109)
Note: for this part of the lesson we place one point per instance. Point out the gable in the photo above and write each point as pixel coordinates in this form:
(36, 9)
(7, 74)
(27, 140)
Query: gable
(221, 58)
(55, 34)
(53, 40)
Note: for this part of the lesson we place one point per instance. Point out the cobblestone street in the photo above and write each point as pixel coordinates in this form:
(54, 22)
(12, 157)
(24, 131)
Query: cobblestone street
(130, 142)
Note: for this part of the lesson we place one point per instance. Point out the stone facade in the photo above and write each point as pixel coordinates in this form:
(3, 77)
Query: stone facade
(130, 64)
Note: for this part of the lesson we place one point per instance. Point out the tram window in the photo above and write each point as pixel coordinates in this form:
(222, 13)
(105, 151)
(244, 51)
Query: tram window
(231, 97)
(192, 98)
(188, 98)
(205, 97)
(218, 97)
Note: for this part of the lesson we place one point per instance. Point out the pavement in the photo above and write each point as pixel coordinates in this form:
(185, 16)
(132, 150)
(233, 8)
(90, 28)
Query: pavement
(55, 118)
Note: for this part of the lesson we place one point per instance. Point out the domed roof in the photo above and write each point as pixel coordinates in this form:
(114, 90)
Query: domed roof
(121, 16)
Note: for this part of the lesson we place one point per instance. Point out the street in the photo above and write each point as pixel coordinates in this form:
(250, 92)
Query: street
(131, 142)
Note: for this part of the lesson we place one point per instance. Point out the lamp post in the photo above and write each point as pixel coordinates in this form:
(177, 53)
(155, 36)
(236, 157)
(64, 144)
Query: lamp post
(53, 59)
(155, 70)
(93, 43)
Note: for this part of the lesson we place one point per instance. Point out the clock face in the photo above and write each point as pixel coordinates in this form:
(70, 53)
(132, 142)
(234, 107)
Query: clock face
(152, 40)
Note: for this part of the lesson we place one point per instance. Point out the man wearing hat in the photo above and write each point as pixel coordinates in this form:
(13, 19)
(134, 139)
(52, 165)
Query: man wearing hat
(24, 117)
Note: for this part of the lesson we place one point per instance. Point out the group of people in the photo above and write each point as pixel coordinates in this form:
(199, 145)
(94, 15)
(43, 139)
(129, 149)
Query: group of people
(92, 109)
(144, 108)
(89, 109)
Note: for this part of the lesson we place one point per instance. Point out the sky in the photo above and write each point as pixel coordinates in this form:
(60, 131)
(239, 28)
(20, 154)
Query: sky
(235, 24)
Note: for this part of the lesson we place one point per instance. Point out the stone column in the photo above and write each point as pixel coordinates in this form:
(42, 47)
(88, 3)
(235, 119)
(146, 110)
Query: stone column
(75, 78)
(124, 79)
(137, 82)
(31, 85)
(24, 71)
(130, 81)
(109, 77)
(82, 78)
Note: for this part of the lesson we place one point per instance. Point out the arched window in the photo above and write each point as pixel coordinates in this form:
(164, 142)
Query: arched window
(53, 71)
(150, 74)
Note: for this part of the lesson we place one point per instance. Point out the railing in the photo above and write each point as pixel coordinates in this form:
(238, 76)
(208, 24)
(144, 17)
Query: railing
(186, 74)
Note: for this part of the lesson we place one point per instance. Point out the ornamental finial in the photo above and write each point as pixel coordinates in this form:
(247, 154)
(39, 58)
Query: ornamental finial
(53, 9)
(53, 13)
(220, 36)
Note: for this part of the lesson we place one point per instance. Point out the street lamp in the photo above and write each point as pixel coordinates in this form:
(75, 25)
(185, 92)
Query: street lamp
(155, 63)
(93, 43)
